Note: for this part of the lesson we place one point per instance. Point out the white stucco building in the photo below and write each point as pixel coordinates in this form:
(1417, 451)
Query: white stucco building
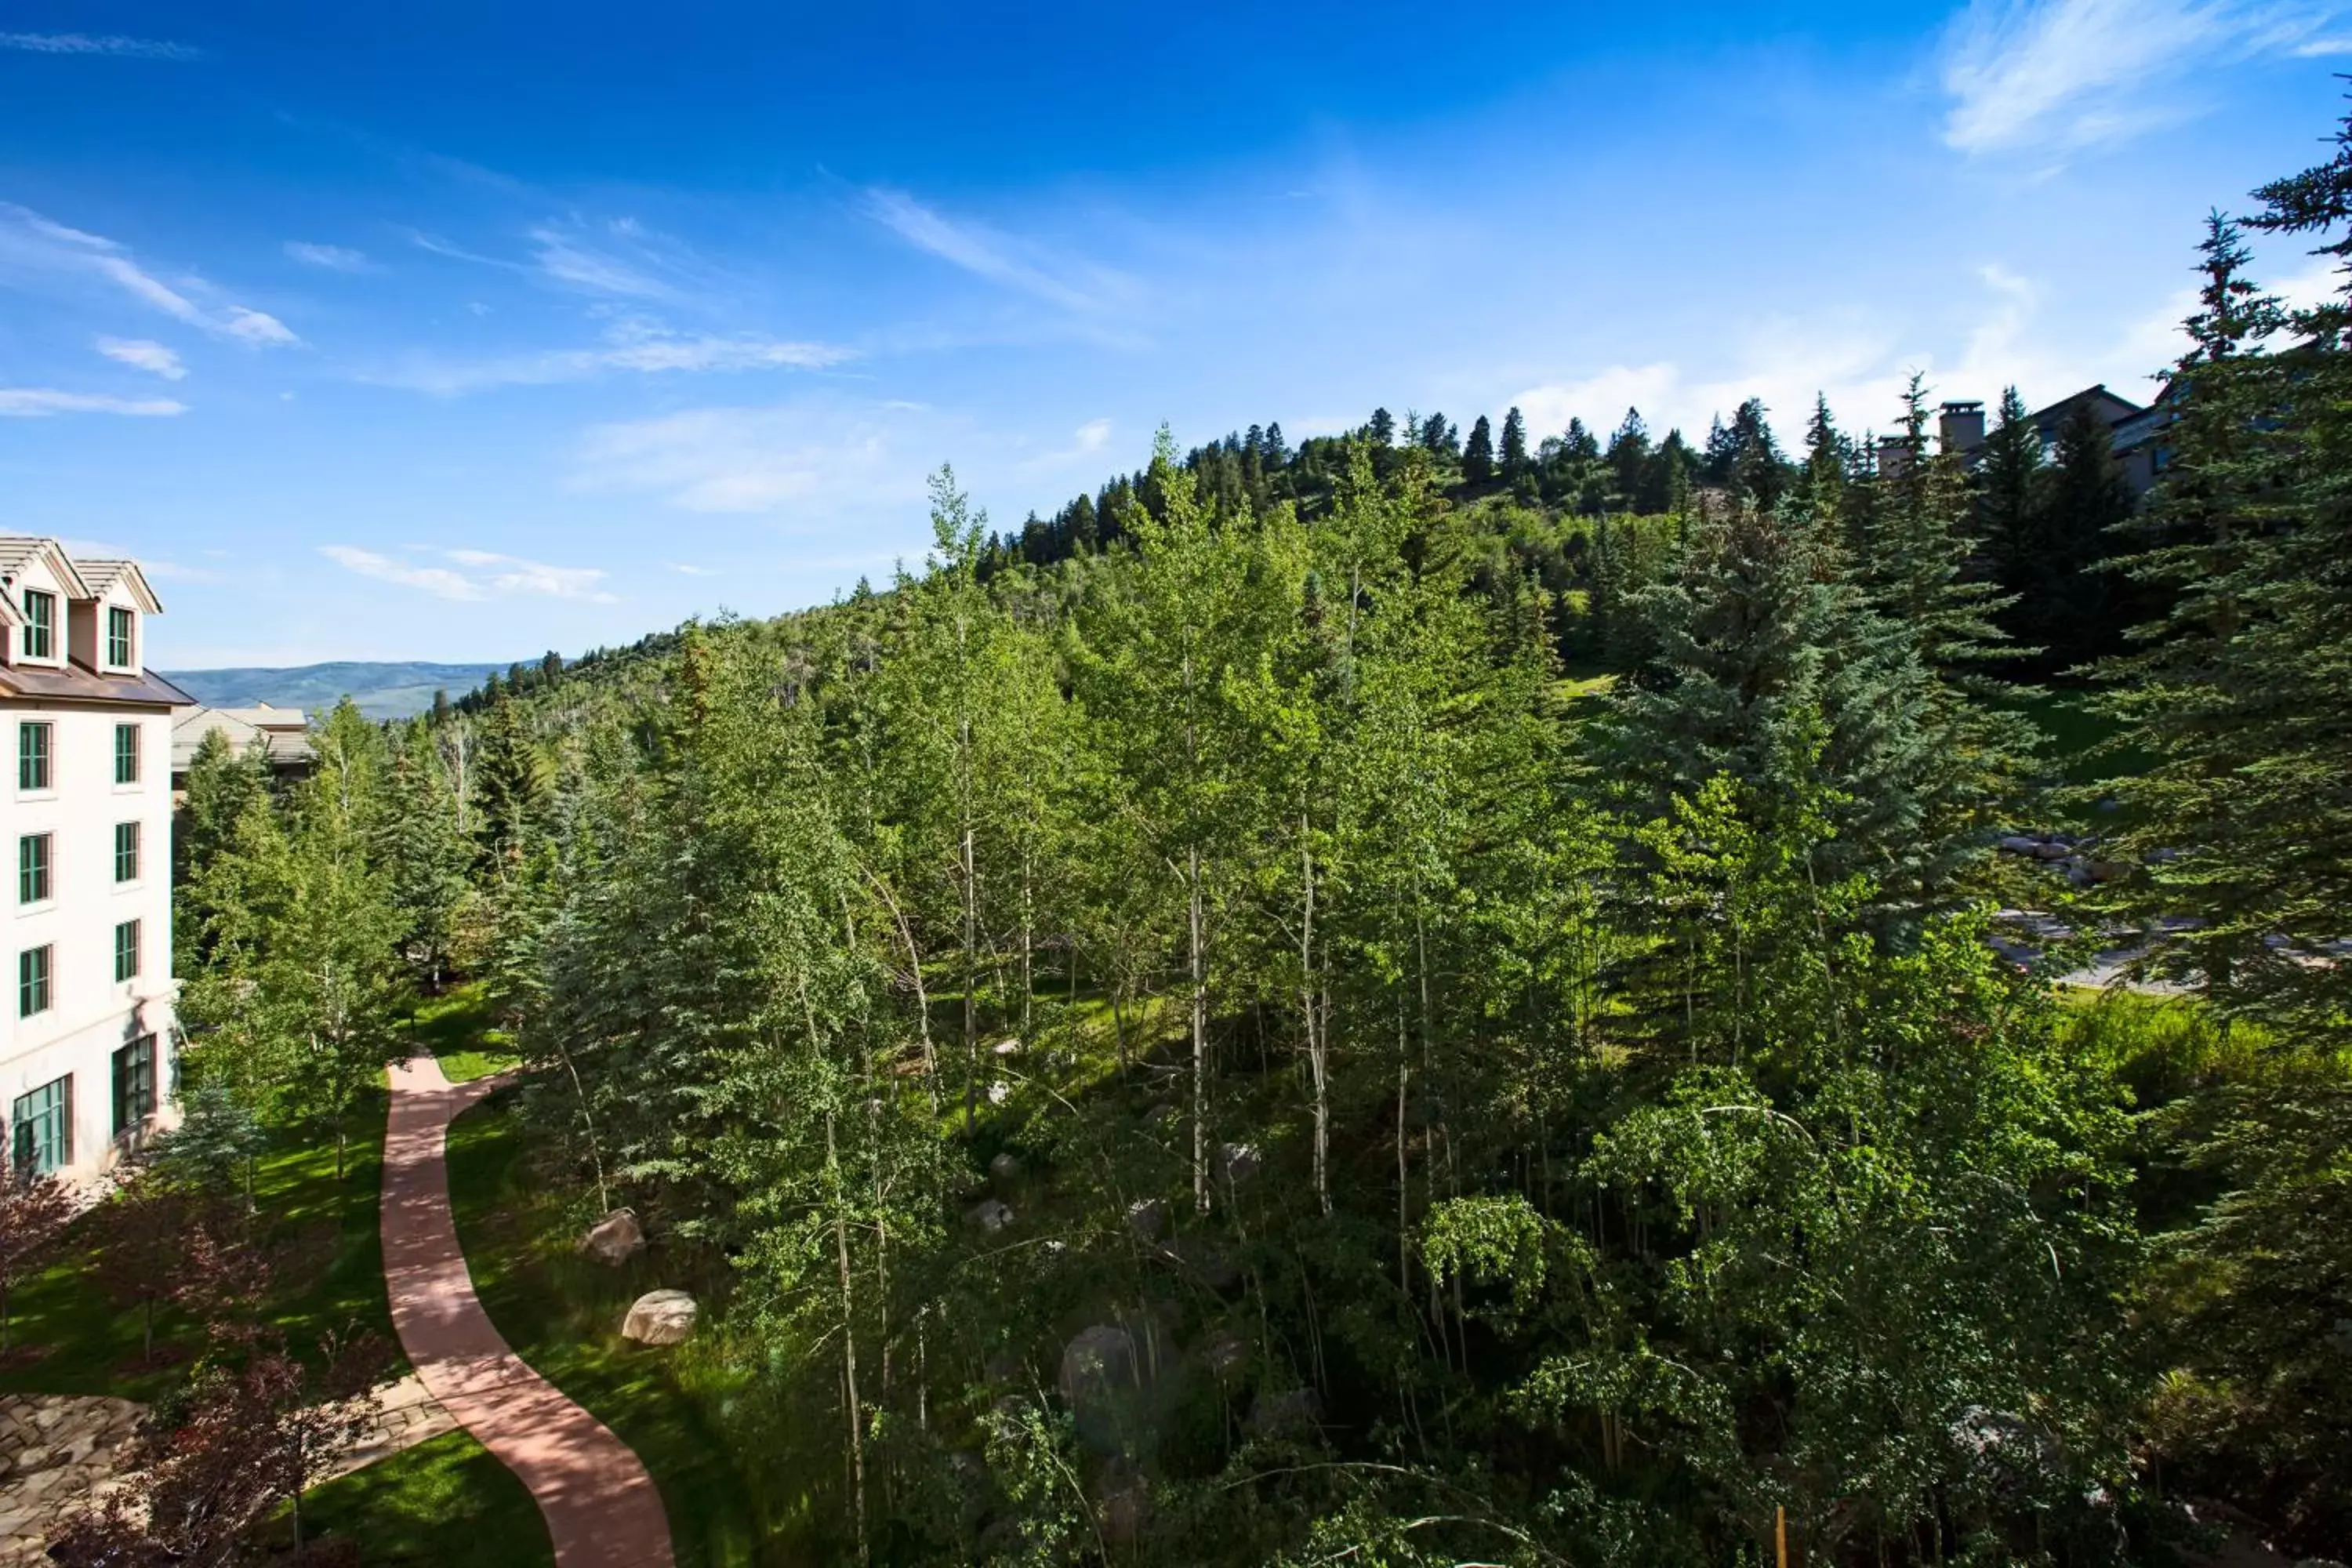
(87, 1032)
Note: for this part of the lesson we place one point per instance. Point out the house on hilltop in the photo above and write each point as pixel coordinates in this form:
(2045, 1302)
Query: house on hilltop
(282, 733)
(2137, 433)
(87, 1052)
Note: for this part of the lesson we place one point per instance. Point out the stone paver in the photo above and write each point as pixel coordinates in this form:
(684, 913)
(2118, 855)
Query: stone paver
(62, 1453)
(602, 1508)
(58, 1452)
(403, 1416)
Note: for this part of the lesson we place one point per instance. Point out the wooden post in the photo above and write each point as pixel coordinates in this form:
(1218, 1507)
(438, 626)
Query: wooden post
(1781, 1536)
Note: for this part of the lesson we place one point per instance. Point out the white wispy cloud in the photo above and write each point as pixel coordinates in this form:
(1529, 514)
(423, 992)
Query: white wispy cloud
(1861, 367)
(144, 353)
(491, 574)
(633, 346)
(618, 259)
(29, 242)
(99, 43)
(333, 257)
(37, 402)
(1022, 266)
(436, 580)
(819, 455)
(565, 259)
(2057, 75)
(1086, 441)
(513, 574)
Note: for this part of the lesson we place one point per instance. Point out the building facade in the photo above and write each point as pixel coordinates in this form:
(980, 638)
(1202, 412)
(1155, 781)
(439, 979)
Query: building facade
(88, 1051)
(282, 735)
(2136, 434)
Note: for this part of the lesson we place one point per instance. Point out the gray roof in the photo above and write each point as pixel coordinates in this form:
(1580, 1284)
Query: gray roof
(98, 575)
(284, 731)
(16, 549)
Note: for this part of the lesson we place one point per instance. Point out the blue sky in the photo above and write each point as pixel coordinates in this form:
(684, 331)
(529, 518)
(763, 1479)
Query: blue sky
(457, 331)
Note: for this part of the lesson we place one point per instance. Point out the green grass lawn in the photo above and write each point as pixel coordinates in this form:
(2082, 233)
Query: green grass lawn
(562, 1314)
(79, 1342)
(454, 1027)
(447, 1500)
(2076, 734)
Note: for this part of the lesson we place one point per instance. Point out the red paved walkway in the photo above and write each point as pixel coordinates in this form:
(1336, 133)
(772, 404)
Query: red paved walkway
(602, 1508)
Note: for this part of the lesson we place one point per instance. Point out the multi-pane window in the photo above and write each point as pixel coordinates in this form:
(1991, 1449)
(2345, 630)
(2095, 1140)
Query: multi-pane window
(126, 754)
(43, 1121)
(40, 623)
(134, 1084)
(126, 851)
(33, 981)
(117, 637)
(33, 868)
(32, 755)
(126, 951)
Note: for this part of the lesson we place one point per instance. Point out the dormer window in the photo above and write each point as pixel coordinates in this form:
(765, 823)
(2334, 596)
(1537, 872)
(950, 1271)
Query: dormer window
(119, 651)
(40, 623)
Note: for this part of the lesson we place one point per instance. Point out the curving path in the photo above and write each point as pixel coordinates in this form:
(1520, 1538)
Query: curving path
(602, 1507)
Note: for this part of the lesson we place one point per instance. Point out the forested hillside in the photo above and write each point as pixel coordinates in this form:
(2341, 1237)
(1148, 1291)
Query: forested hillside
(380, 691)
(1425, 999)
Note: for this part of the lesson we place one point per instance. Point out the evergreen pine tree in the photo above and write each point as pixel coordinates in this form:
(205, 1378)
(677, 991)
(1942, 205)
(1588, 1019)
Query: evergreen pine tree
(2084, 504)
(422, 854)
(1667, 476)
(1628, 456)
(509, 786)
(1478, 456)
(1828, 457)
(1767, 668)
(2008, 508)
(1515, 446)
(2235, 691)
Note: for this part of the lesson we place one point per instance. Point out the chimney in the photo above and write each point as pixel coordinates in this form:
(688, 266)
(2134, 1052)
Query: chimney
(1894, 456)
(1960, 429)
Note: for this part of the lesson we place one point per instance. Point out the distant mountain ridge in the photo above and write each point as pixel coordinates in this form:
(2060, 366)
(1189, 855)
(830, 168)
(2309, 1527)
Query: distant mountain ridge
(381, 690)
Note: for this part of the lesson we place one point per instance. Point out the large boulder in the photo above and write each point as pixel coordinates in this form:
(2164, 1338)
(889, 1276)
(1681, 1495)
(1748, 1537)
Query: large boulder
(659, 1317)
(1203, 1260)
(1237, 1163)
(992, 1216)
(1098, 1367)
(1005, 1167)
(1125, 1508)
(616, 1238)
(1147, 1217)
